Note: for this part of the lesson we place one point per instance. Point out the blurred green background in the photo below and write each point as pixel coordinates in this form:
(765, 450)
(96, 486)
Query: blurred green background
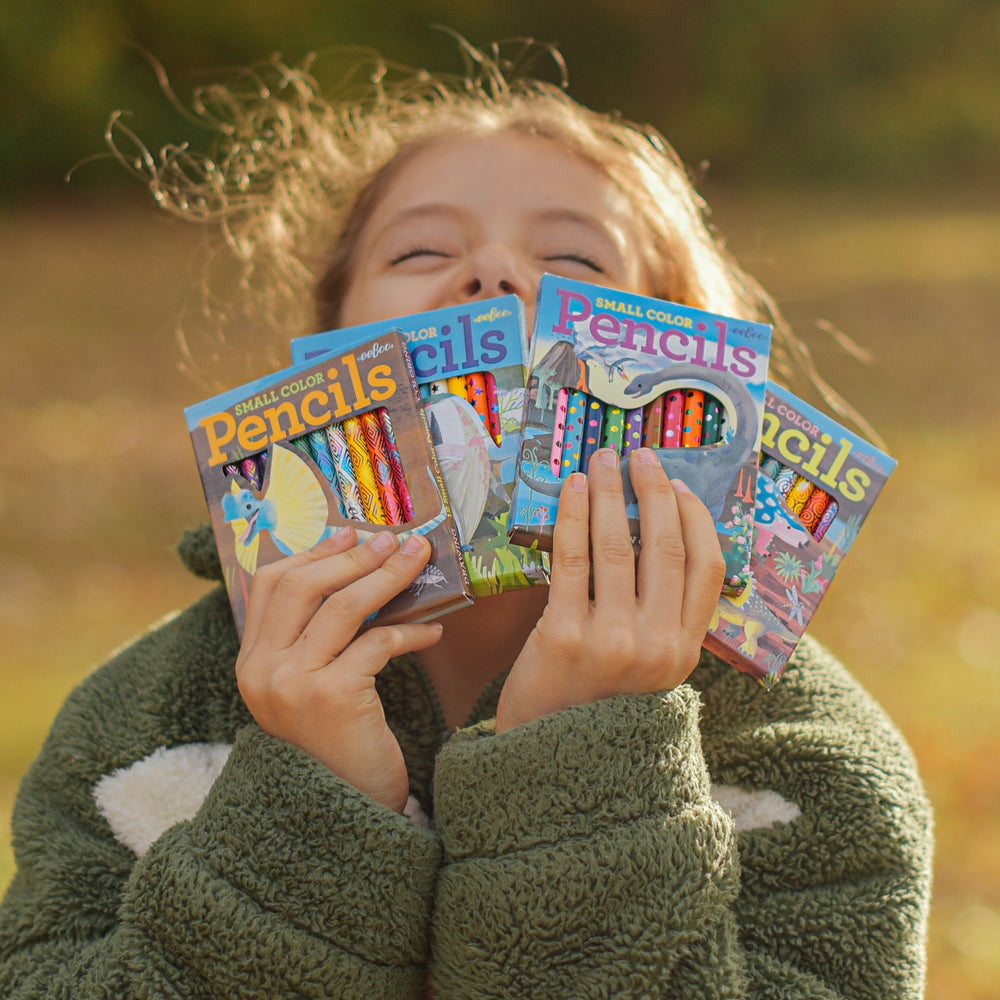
(850, 151)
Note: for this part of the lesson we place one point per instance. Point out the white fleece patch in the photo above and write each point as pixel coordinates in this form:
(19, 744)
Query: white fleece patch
(142, 801)
(754, 810)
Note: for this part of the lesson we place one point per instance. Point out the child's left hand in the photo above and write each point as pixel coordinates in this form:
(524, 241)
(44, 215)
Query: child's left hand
(642, 630)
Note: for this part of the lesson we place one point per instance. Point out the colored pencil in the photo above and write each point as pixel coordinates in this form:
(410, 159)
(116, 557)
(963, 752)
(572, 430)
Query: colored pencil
(379, 455)
(361, 461)
(694, 414)
(827, 518)
(559, 432)
(347, 482)
(475, 392)
(813, 510)
(396, 464)
(673, 419)
(652, 427)
(493, 408)
(799, 494)
(711, 432)
(576, 409)
(613, 431)
(633, 431)
(592, 431)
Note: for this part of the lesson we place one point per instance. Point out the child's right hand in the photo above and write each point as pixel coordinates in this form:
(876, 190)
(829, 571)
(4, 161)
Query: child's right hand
(305, 674)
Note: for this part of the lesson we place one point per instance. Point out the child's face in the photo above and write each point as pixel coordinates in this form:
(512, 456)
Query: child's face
(475, 217)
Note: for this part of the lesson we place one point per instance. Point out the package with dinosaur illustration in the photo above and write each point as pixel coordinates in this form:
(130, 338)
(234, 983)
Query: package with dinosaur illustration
(288, 459)
(469, 367)
(816, 484)
(615, 369)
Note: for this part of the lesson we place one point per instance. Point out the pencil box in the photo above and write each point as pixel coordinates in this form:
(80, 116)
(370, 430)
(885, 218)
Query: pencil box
(469, 367)
(288, 459)
(615, 369)
(816, 484)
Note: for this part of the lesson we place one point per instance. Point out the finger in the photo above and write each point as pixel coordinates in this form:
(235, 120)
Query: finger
(372, 650)
(266, 579)
(610, 537)
(705, 565)
(301, 591)
(663, 558)
(339, 617)
(569, 586)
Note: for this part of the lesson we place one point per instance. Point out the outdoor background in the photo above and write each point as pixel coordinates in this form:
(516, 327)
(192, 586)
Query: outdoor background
(850, 150)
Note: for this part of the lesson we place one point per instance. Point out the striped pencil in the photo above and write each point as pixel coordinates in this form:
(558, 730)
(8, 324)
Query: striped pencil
(361, 461)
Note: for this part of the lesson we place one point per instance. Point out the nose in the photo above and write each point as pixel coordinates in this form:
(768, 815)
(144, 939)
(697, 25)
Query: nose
(494, 269)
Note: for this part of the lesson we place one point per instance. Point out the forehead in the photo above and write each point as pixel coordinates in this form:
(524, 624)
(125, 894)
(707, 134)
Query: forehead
(503, 169)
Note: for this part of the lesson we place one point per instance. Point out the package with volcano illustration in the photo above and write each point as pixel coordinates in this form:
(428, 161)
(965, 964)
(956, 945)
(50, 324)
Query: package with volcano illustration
(816, 485)
(469, 367)
(289, 459)
(619, 370)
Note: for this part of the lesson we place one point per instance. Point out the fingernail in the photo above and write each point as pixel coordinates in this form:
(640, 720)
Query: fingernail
(415, 543)
(383, 541)
(578, 482)
(680, 486)
(646, 456)
(608, 456)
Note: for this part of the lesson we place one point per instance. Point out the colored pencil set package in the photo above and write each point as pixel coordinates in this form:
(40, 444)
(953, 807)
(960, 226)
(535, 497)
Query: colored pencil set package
(816, 485)
(614, 369)
(288, 459)
(469, 367)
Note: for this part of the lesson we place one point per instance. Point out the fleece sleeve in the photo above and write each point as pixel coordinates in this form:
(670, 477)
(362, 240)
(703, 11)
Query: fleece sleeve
(590, 861)
(593, 860)
(285, 882)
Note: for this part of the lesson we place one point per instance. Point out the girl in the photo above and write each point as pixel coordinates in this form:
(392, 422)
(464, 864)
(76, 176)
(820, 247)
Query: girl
(552, 793)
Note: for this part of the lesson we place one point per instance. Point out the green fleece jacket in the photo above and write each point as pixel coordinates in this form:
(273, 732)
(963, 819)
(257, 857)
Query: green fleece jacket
(712, 841)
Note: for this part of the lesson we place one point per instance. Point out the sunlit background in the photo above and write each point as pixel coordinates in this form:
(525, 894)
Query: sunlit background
(850, 150)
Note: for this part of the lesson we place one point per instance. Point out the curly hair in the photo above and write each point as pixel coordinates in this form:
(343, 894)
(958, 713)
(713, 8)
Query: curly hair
(293, 175)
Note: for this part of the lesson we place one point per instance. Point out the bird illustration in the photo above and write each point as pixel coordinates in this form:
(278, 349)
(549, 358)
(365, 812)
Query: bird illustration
(459, 437)
(293, 510)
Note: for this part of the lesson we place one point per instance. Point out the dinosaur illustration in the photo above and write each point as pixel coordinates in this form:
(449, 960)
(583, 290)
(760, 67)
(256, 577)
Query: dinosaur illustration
(749, 612)
(295, 512)
(709, 471)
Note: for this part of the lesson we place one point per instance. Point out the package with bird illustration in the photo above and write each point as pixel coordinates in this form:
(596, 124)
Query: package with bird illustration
(615, 369)
(290, 458)
(469, 362)
(816, 485)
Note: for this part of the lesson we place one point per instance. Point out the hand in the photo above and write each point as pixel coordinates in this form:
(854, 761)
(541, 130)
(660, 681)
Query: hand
(306, 675)
(643, 629)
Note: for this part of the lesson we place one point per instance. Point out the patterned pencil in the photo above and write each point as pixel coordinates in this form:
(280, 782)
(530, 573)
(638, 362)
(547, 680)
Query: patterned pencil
(799, 494)
(475, 392)
(457, 387)
(493, 407)
(633, 431)
(319, 450)
(652, 428)
(592, 431)
(396, 464)
(769, 466)
(357, 445)
(828, 517)
(813, 510)
(784, 480)
(559, 432)
(694, 415)
(379, 455)
(711, 432)
(251, 473)
(613, 432)
(576, 409)
(673, 419)
(347, 482)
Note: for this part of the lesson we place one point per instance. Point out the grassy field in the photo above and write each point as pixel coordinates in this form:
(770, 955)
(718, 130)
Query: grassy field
(99, 483)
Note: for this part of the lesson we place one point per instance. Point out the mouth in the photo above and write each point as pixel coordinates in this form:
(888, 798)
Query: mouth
(251, 528)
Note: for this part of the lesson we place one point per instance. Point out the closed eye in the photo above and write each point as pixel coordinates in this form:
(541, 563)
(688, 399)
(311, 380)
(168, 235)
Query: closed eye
(576, 258)
(417, 251)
